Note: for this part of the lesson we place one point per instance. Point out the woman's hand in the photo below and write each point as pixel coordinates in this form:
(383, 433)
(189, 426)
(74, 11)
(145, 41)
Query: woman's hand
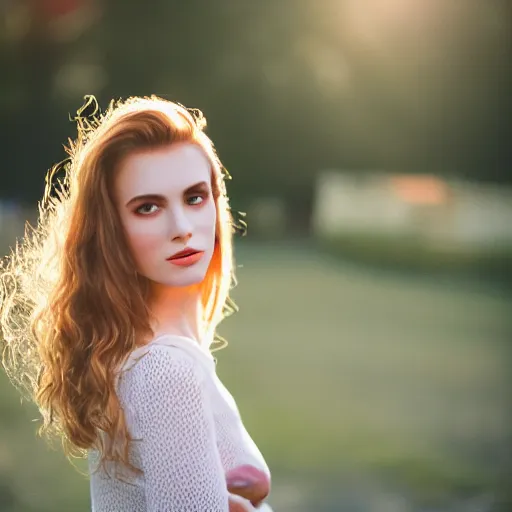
(238, 504)
(249, 483)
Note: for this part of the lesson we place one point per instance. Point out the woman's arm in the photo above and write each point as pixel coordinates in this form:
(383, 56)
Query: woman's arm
(180, 461)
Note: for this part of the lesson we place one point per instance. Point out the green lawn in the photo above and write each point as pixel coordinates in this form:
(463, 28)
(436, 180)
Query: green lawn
(342, 374)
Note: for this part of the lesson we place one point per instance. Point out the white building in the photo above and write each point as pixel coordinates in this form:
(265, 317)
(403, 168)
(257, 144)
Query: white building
(440, 212)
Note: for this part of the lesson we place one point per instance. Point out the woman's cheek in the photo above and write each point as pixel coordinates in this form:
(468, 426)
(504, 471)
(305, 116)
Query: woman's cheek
(143, 241)
(207, 217)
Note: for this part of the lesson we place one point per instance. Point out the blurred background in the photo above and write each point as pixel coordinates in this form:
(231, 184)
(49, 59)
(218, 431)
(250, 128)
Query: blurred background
(369, 145)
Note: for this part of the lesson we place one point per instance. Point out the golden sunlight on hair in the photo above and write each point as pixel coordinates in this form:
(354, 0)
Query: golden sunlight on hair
(72, 308)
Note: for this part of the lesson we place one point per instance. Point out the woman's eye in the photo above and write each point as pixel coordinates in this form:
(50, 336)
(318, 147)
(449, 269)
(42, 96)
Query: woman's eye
(147, 208)
(194, 200)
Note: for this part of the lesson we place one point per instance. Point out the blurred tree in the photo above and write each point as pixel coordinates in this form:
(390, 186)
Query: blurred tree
(33, 116)
(288, 87)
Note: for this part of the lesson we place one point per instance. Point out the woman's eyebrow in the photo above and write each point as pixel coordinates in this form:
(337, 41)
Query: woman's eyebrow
(146, 197)
(197, 187)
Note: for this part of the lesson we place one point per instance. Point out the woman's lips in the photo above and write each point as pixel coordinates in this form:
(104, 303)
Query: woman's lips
(186, 261)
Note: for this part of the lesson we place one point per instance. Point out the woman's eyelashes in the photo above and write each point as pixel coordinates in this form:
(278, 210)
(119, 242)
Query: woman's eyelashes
(146, 209)
(196, 199)
(152, 208)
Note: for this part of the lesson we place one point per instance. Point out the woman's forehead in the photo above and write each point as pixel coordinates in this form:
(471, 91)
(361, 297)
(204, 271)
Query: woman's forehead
(162, 171)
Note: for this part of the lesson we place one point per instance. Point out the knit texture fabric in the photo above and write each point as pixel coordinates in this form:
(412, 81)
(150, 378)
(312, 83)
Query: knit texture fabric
(187, 429)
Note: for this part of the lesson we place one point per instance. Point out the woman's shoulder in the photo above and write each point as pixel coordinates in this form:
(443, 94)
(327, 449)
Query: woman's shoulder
(155, 371)
(168, 351)
(159, 377)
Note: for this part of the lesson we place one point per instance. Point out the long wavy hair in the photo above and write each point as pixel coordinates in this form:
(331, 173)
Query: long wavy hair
(72, 306)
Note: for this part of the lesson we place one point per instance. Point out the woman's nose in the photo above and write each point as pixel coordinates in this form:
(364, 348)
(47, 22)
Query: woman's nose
(181, 227)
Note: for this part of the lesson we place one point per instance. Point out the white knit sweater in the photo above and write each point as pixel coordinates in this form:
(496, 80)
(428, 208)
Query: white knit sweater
(189, 434)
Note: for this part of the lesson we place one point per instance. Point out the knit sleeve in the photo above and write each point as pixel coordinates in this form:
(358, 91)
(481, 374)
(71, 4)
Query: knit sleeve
(179, 456)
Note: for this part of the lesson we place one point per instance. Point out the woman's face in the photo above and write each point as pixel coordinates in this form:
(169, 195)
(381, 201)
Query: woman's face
(165, 202)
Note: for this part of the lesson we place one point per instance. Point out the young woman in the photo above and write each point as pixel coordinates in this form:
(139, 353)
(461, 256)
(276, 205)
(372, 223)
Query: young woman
(109, 307)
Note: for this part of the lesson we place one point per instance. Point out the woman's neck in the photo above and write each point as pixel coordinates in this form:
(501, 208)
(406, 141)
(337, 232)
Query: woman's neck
(177, 311)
